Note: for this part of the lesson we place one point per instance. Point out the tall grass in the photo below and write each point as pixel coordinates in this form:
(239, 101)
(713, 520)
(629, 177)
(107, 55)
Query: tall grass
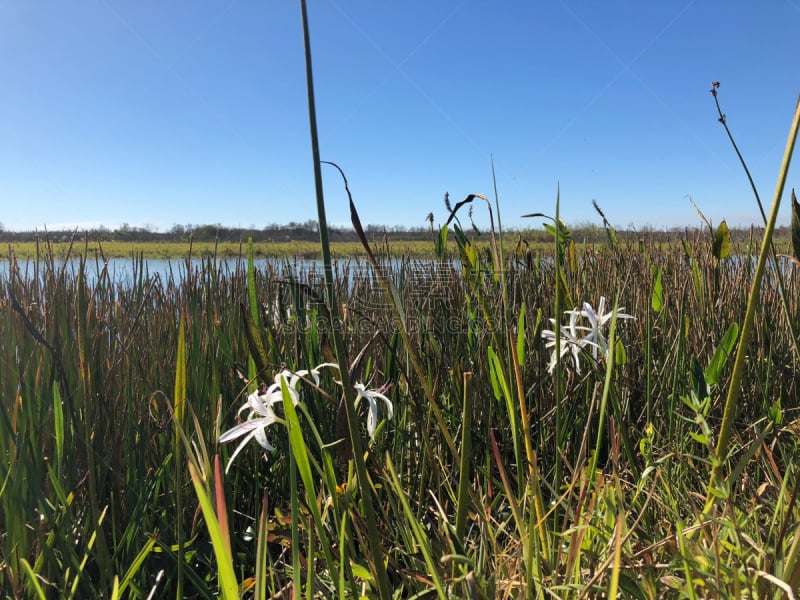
(491, 522)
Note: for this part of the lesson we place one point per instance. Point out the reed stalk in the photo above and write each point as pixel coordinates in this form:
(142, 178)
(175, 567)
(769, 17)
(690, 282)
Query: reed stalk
(375, 548)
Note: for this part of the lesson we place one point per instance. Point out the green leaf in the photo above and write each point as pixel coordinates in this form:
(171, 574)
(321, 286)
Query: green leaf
(697, 378)
(255, 342)
(34, 589)
(496, 376)
(687, 251)
(700, 438)
(722, 241)
(795, 226)
(262, 551)
(296, 441)
(713, 372)
(612, 235)
(521, 335)
(127, 579)
(657, 301)
(361, 572)
(559, 231)
(441, 242)
(620, 354)
(229, 587)
(776, 413)
(58, 418)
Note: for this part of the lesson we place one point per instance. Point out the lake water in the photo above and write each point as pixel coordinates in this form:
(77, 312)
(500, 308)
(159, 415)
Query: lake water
(124, 270)
(127, 270)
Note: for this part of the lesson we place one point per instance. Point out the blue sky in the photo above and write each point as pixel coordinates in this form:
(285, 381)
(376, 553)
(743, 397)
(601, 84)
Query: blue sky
(161, 113)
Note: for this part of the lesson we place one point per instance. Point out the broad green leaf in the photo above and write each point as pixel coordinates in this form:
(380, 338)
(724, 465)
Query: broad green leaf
(620, 354)
(722, 241)
(361, 572)
(713, 372)
(561, 233)
(441, 242)
(657, 301)
(776, 413)
(498, 380)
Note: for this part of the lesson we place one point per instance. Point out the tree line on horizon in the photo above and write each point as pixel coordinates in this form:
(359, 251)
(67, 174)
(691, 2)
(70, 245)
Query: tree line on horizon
(309, 231)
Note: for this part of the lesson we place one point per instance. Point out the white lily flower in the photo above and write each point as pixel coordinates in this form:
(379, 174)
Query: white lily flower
(262, 414)
(372, 416)
(569, 341)
(598, 321)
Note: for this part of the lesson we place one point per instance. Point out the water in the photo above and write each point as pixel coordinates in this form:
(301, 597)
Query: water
(126, 271)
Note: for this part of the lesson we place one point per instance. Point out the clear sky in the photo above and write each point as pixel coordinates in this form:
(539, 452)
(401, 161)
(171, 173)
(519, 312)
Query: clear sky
(156, 113)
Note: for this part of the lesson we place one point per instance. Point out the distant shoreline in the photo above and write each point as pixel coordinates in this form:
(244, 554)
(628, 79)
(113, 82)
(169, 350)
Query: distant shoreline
(537, 241)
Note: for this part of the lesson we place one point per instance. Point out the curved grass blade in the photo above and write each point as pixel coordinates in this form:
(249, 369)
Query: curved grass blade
(137, 563)
(228, 586)
(33, 581)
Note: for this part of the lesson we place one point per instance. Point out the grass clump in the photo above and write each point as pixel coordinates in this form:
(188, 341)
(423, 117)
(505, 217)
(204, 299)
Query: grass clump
(505, 493)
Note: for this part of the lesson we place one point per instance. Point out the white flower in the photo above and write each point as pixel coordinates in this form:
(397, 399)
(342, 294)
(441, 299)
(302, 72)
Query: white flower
(568, 341)
(262, 414)
(598, 321)
(372, 416)
(595, 336)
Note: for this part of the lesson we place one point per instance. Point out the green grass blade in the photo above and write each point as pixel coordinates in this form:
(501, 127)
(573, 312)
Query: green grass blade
(262, 551)
(58, 427)
(420, 536)
(137, 563)
(228, 586)
(34, 588)
(466, 458)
